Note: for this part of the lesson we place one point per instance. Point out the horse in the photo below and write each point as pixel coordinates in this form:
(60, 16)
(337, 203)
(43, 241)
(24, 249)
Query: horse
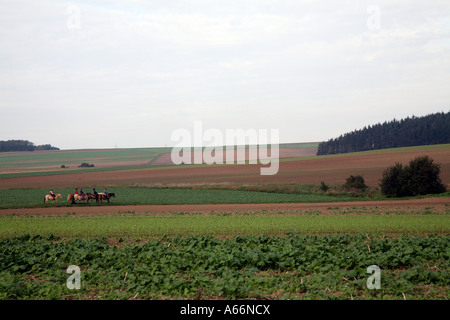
(70, 198)
(49, 197)
(78, 197)
(102, 196)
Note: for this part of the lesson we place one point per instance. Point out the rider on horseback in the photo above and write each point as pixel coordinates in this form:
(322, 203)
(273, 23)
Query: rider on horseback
(52, 194)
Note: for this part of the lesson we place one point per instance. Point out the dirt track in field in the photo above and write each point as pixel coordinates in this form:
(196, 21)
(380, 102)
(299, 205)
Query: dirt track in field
(436, 204)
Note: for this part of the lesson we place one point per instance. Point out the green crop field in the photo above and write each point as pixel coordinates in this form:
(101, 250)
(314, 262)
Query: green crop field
(227, 255)
(293, 266)
(10, 198)
(223, 224)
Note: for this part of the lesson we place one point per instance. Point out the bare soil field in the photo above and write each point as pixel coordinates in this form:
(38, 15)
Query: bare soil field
(439, 204)
(247, 155)
(330, 169)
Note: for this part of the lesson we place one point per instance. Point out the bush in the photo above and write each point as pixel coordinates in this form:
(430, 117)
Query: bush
(420, 177)
(355, 182)
(323, 186)
(86, 165)
(393, 181)
(424, 176)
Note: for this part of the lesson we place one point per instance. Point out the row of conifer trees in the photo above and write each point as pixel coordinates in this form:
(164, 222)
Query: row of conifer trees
(415, 131)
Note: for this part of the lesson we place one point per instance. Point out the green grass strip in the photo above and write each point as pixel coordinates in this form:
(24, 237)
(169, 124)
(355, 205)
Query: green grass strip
(14, 198)
(152, 226)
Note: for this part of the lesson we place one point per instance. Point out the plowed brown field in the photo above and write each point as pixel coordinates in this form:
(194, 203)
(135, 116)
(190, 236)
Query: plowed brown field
(330, 169)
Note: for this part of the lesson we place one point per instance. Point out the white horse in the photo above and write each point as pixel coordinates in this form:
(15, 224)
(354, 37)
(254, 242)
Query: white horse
(49, 197)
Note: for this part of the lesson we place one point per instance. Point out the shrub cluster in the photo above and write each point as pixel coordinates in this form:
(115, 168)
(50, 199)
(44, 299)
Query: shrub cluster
(355, 182)
(420, 177)
(86, 165)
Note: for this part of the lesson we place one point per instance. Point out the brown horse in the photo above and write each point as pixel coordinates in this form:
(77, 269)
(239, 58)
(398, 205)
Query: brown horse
(48, 197)
(78, 197)
(70, 198)
(101, 197)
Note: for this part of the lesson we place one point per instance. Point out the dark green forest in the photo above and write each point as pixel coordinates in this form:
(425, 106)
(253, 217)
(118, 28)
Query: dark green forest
(411, 131)
(23, 145)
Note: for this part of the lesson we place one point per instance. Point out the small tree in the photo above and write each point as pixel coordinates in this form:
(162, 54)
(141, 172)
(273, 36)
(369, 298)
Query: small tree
(394, 181)
(86, 165)
(355, 182)
(424, 176)
(323, 186)
(420, 177)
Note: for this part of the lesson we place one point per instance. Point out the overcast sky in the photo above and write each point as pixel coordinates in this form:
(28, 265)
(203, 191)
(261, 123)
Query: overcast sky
(102, 74)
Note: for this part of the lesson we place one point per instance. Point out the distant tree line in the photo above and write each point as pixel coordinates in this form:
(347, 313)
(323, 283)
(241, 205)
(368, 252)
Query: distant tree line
(23, 145)
(415, 131)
